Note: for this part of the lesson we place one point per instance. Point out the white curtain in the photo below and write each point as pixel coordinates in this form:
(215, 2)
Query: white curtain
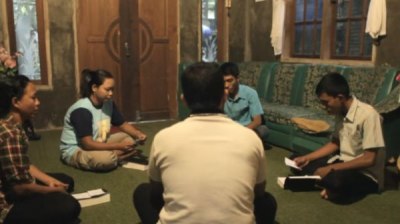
(376, 19)
(278, 18)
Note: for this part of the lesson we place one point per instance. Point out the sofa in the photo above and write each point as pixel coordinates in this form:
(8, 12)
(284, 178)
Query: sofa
(287, 90)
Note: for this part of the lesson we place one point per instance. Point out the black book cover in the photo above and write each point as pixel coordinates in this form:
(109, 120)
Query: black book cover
(299, 183)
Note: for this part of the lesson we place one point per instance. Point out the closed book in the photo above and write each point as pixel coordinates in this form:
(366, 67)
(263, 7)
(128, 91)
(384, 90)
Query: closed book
(299, 183)
(135, 166)
(138, 162)
(92, 197)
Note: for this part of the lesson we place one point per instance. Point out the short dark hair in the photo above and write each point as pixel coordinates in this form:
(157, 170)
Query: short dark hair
(10, 87)
(230, 68)
(92, 77)
(203, 87)
(333, 84)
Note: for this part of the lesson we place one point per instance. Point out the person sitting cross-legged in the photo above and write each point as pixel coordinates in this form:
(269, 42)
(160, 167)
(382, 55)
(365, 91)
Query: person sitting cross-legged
(357, 140)
(243, 104)
(86, 139)
(27, 194)
(207, 168)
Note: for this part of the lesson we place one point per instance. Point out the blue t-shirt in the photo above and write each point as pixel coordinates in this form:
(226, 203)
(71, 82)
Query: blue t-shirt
(84, 119)
(244, 106)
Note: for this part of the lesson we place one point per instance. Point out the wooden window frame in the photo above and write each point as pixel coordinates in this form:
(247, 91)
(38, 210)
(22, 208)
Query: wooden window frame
(43, 35)
(350, 18)
(304, 23)
(223, 30)
(327, 39)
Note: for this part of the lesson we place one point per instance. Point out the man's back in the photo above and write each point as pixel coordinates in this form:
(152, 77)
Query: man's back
(208, 166)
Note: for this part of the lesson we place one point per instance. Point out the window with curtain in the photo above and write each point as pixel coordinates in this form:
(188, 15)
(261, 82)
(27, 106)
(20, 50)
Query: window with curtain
(27, 36)
(329, 29)
(209, 30)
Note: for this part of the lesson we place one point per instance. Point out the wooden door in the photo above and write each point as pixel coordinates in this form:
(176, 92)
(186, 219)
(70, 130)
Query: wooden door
(158, 44)
(137, 41)
(98, 38)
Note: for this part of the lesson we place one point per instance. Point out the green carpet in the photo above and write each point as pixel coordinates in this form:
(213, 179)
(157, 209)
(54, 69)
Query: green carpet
(304, 207)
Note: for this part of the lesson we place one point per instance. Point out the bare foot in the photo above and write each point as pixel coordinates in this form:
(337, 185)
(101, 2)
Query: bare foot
(324, 194)
(391, 161)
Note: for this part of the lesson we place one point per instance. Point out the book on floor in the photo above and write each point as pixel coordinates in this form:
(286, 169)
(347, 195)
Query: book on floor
(135, 166)
(138, 162)
(299, 183)
(92, 197)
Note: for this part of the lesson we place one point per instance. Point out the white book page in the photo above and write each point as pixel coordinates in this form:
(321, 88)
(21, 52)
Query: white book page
(305, 177)
(80, 196)
(96, 192)
(88, 194)
(135, 166)
(291, 163)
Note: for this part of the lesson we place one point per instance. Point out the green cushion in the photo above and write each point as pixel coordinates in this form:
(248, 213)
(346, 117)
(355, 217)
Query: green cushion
(249, 72)
(388, 83)
(281, 113)
(314, 75)
(283, 83)
(278, 137)
(283, 128)
(296, 94)
(364, 83)
(265, 81)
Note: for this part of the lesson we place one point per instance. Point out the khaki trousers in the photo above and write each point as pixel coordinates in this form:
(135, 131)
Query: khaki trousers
(99, 160)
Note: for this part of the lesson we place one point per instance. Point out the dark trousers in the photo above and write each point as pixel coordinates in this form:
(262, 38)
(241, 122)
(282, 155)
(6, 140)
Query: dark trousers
(342, 184)
(50, 208)
(148, 208)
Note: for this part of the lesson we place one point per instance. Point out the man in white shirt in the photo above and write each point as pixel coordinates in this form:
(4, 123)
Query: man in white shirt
(207, 168)
(357, 139)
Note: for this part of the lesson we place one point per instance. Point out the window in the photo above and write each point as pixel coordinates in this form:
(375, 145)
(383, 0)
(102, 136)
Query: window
(307, 28)
(328, 30)
(214, 30)
(350, 39)
(209, 26)
(27, 36)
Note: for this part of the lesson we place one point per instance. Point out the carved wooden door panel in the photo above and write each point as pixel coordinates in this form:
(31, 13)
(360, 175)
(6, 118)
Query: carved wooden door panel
(137, 41)
(98, 38)
(158, 44)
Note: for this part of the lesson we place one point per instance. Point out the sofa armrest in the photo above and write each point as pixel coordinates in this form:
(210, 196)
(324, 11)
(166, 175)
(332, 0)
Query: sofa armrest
(389, 103)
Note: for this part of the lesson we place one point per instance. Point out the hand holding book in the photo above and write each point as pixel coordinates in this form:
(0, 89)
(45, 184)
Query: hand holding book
(298, 183)
(291, 163)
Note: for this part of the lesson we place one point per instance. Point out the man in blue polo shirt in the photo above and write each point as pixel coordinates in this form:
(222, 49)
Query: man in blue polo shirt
(243, 104)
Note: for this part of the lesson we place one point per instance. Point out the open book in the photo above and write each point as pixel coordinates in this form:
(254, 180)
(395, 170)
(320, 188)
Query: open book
(299, 183)
(92, 197)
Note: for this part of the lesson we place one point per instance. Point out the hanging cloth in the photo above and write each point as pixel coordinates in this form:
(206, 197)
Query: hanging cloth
(278, 18)
(376, 19)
